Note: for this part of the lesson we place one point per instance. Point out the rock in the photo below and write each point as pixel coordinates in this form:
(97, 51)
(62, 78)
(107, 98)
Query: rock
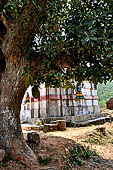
(50, 127)
(33, 137)
(61, 125)
(2, 154)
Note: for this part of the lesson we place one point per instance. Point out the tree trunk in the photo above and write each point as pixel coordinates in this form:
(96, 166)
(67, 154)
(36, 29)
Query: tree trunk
(14, 38)
(12, 92)
(12, 89)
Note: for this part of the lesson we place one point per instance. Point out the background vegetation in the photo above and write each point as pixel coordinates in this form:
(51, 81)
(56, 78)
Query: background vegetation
(105, 92)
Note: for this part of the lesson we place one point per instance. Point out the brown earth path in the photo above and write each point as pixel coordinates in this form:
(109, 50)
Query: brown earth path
(54, 148)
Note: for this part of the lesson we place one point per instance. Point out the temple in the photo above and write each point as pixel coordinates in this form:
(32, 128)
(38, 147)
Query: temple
(59, 103)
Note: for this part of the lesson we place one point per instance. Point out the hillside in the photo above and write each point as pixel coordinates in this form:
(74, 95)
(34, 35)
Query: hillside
(105, 92)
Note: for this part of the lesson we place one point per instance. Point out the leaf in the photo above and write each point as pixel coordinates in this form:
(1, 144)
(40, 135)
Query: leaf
(7, 5)
(34, 3)
(110, 54)
(29, 80)
(93, 38)
(93, 31)
(28, 1)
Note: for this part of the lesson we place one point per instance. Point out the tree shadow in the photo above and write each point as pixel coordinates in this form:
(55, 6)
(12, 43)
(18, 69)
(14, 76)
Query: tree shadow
(64, 154)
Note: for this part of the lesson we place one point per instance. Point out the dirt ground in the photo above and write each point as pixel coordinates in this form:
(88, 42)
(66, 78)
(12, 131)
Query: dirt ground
(54, 150)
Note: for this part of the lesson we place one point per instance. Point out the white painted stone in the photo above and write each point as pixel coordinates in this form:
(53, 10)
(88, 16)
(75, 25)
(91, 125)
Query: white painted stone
(87, 92)
(54, 112)
(43, 112)
(85, 110)
(42, 103)
(54, 103)
(78, 110)
(64, 103)
(95, 102)
(86, 85)
(63, 91)
(74, 102)
(94, 92)
(36, 105)
(90, 110)
(88, 102)
(43, 91)
(54, 91)
(67, 111)
(70, 91)
(35, 112)
(70, 102)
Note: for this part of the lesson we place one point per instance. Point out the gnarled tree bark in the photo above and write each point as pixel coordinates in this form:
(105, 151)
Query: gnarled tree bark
(12, 89)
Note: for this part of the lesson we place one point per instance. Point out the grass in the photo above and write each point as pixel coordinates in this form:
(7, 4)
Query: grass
(99, 138)
(76, 157)
(45, 161)
(79, 153)
(87, 153)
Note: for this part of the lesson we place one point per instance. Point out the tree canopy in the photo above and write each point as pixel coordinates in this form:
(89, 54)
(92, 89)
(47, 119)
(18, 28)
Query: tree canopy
(73, 38)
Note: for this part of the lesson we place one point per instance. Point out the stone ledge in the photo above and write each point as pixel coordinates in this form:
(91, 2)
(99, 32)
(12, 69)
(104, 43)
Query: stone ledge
(96, 121)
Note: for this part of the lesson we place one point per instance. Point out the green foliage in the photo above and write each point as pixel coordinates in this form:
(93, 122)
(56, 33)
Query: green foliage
(29, 80)
(76, 157)
(79, 153)
(100, 137)
(84, 32)
(81, 31)
(105, 92)
(87, 153)
(4, 164)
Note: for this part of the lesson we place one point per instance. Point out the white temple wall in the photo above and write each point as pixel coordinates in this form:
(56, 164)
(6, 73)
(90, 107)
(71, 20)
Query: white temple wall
(59, 102)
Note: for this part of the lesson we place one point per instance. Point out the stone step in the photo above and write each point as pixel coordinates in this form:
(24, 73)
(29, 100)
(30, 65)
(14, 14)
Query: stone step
(96, 121)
